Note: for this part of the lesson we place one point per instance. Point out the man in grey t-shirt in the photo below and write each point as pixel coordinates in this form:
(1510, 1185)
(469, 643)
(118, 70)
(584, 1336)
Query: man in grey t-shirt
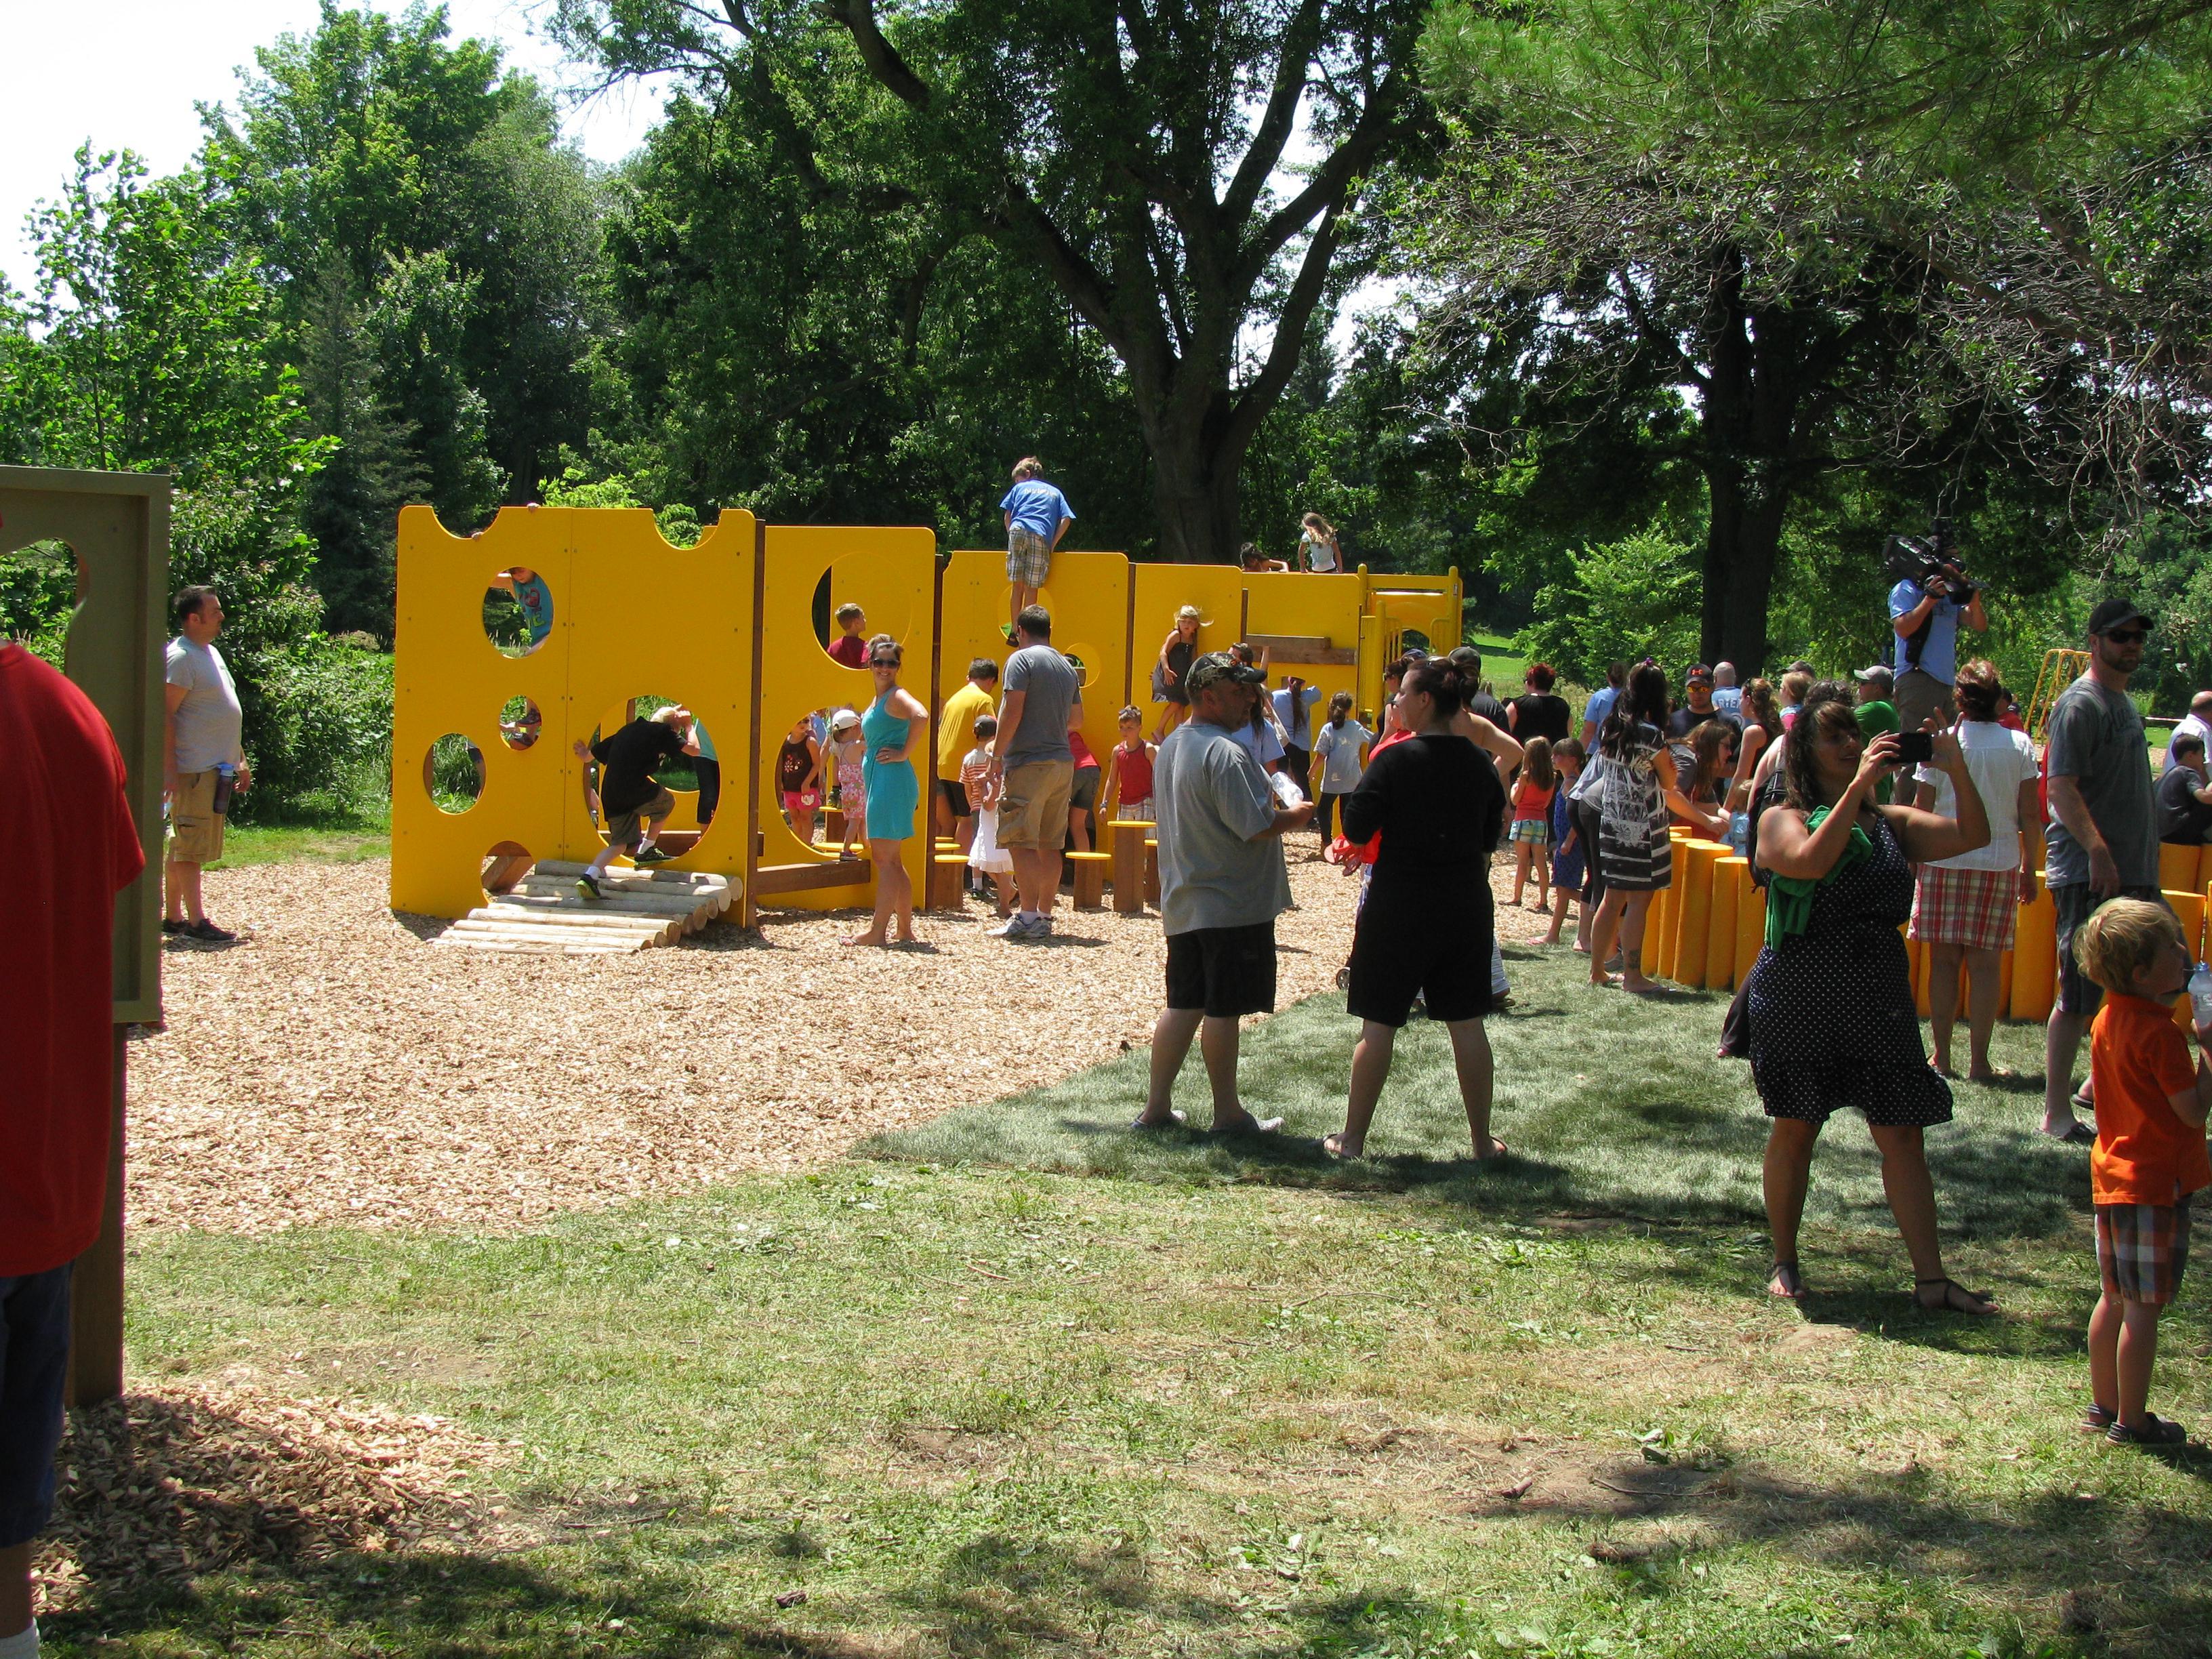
(1222, 885)
(204, 737)
(1040, 700)
(2102, 843)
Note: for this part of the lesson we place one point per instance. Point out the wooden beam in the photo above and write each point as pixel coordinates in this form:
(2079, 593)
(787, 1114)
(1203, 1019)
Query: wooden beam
(810, 878)
(1309, 648)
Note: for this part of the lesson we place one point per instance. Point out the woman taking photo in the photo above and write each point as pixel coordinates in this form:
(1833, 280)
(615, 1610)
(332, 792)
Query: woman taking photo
(1636, 792)
(1169, 673)
(1963, 907)
(894, 724)
(1829, 1002)
(1425, 929)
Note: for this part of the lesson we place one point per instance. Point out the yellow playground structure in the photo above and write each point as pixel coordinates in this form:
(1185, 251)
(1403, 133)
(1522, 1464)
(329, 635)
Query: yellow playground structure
(486, 785)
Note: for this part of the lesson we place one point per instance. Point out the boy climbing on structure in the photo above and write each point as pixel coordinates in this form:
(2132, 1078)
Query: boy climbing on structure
(635, 803)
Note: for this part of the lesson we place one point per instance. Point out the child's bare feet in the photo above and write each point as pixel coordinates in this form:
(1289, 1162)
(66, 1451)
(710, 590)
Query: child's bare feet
(1336, 1145)
(866, 939)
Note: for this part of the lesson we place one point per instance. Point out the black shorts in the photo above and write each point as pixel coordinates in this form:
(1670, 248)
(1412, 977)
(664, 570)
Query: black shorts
(34, 1335)
(1083, 793)
(2077, 992)
(1400, 951)
(1227, 971)
(955, 797)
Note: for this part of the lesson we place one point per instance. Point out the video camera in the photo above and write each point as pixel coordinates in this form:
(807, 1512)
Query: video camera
(1932, 561)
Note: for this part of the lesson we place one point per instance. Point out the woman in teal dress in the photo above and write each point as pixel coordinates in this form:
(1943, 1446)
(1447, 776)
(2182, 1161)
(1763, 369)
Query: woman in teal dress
(894, 723)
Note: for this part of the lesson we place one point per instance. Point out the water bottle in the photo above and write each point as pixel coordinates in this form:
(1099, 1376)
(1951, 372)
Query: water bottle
(225, 780)
(2200, 994)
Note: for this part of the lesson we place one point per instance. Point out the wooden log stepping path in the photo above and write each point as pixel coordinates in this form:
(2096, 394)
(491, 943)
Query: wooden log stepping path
(544, 914)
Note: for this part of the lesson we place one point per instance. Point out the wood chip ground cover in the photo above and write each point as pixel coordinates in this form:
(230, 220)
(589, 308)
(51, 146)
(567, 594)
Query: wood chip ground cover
(332, 1068)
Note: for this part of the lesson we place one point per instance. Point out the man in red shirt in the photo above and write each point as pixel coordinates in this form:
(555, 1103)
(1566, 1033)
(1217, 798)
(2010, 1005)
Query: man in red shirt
(67, 839)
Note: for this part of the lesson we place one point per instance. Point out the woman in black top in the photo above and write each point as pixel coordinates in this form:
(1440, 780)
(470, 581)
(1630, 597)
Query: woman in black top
(1426, 926)
(1538, 713)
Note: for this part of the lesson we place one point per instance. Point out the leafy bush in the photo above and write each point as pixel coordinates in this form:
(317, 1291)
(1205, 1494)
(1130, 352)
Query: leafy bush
(1634, 597)
(319, 732)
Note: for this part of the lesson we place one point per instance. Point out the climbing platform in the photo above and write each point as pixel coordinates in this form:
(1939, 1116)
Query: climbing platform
(544, 914)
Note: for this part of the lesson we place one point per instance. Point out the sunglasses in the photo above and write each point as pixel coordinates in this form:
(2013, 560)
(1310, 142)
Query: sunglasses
(2127, 635)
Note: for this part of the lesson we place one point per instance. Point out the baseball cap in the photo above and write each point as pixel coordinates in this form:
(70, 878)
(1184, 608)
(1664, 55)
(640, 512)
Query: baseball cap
(1217, 665)
(843, 717)
(2118, 613)
(1877, 674)
(1701, 672)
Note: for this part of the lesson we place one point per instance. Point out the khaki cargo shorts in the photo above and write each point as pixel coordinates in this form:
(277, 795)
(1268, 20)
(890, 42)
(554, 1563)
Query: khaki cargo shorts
(195, 827)
(1033, 810)
(626, 829)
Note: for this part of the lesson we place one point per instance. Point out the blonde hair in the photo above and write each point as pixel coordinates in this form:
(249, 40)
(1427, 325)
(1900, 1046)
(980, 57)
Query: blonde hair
(1795, 684)
(1027, 467)
(2123, 939)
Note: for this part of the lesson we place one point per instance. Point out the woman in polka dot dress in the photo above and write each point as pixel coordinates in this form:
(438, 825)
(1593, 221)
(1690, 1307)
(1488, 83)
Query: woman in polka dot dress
(1829, 1000)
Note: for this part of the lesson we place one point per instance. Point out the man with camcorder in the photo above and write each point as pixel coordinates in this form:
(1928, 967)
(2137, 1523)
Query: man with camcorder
(1932, 596)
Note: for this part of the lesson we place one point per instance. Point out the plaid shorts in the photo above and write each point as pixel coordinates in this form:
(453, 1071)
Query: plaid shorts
(1028, 557)
(1535, 831)
(1972, 908)
(2142, 1249)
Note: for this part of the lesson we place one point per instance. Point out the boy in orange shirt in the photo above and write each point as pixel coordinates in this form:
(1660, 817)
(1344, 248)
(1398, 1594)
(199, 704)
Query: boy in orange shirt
(2150, 1156)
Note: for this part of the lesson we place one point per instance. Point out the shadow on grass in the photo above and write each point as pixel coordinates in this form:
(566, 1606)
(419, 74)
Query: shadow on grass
(1611, 1105)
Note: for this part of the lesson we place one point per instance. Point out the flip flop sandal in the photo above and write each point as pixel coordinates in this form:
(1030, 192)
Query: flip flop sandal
(2096, 1419)
(2079, 1136)
(2082, 1101)
(1258, 1126)
(2153, 1430)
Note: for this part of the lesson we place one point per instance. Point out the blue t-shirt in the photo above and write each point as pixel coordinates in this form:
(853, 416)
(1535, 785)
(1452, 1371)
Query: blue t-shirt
(1600, 705)
(1940, 656)
(537, 602)
(1298, 732)
(1037, 506)
(1260, 741)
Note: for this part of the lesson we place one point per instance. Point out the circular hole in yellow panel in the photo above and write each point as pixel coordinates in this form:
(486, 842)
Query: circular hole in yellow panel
(453, 773)
(518, 610)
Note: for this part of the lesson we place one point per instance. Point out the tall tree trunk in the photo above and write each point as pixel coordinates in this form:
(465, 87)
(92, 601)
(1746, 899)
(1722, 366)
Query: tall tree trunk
(1198, 449)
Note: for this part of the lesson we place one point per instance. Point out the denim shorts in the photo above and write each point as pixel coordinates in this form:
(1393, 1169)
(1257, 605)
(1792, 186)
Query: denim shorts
(34, 1335)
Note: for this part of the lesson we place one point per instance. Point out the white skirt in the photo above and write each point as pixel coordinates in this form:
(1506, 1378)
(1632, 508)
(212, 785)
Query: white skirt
(985, 853)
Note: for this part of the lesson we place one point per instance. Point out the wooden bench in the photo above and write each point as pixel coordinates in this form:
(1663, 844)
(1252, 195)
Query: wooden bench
(1128, 837)
(1089, 870)
(810, 878)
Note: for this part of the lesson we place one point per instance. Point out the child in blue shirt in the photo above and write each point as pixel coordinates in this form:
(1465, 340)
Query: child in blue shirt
(1037, 516)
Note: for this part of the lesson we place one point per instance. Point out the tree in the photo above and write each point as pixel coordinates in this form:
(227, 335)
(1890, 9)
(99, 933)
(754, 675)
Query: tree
(1131, 152)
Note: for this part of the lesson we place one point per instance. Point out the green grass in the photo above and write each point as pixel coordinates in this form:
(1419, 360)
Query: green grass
(254, 843)
(1023, 1383)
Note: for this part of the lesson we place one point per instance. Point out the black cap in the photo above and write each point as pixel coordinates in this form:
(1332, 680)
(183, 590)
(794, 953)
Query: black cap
(2118, 613)
(1217, 665)
(1699, 673)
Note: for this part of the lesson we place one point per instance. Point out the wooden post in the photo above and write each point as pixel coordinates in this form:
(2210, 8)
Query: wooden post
(95, 1360)
(1129, 864)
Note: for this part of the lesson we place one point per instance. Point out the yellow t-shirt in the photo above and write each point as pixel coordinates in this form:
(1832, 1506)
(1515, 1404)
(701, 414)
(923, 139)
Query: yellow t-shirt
(955, 726)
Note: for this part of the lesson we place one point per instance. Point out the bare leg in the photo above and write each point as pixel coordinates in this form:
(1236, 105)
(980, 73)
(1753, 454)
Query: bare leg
(1036, 878)
(1171, 1036)
(1942, 1000)
(1606, 933)
(1983, 983)
(1371, 1066)
(2136, 1350)
(1471, 1058)
(894, 896)
(2103, 1356)
(1541, 859)
(1558, 916)
(184, 899)
(2062, 1041)
(1637, 910)
(1078, 827)
(1788, 1171)
(14, 1589)
(1912, 1193)
(1520, 871)
(1217, 1043)
(963, 831)
(802, 825)
(1018, 601)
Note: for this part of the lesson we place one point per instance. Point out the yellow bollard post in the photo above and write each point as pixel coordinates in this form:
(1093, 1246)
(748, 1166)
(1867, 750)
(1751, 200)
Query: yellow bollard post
(2176, 868)
(1731, 877)
(2035, 955)
(1693, 925)
(2190, 906)
(1678, 845)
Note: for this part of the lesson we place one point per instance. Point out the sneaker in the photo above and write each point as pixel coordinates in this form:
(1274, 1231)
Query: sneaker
(651, 855)
(588, 886)
(169, 926)
(208, 931)
(1016, 927)
(2153, 1430)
